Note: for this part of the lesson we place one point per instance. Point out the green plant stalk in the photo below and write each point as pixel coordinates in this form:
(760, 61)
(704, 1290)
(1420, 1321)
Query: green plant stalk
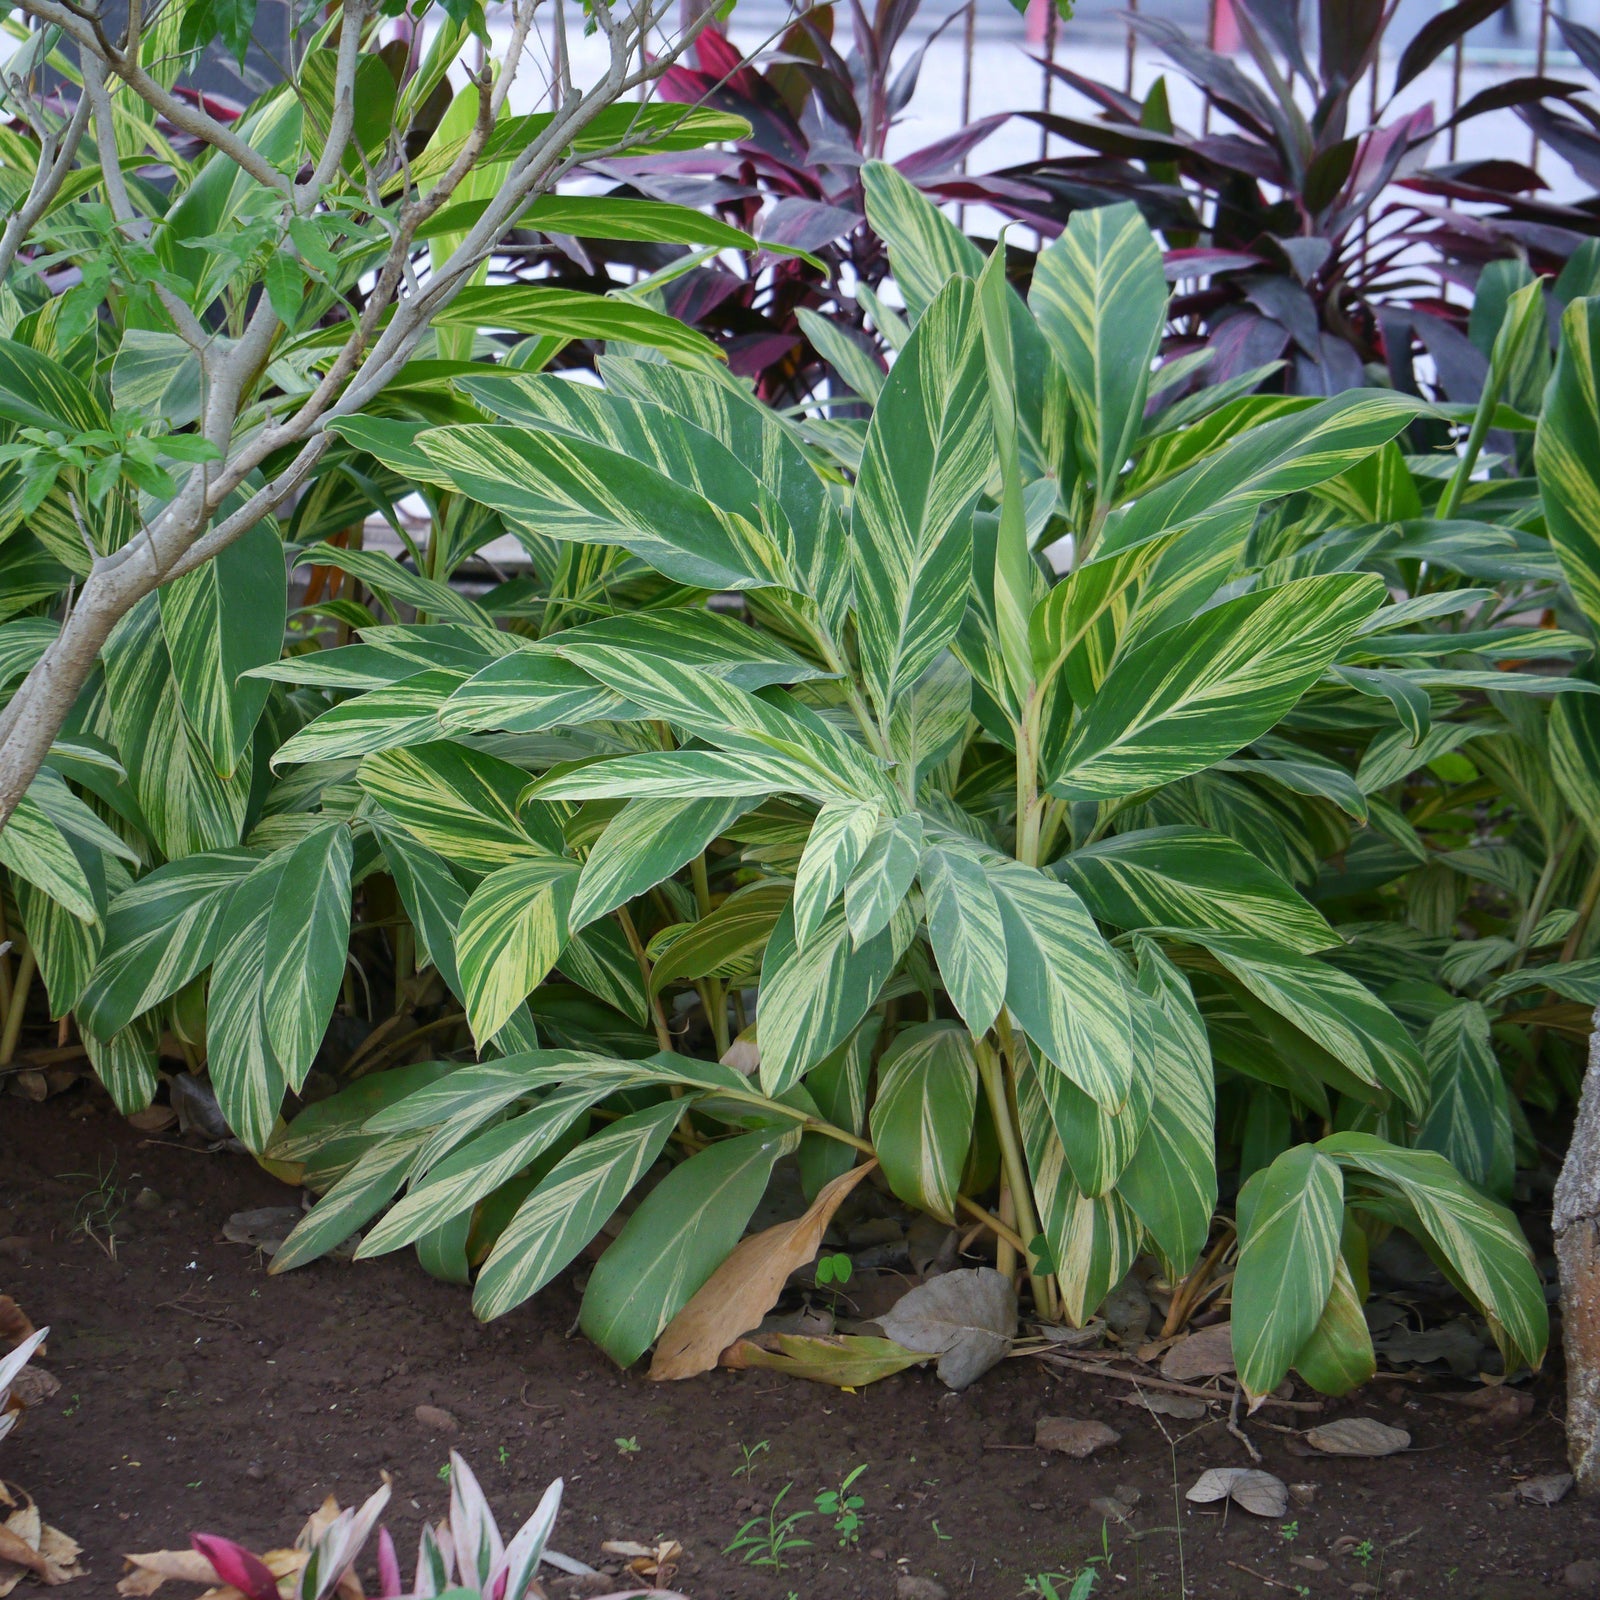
(1554, 862)
(19, 1004)
(657, 1016)
(1030, 812)
(993, 1074)
(1450, 500)
(713, 996)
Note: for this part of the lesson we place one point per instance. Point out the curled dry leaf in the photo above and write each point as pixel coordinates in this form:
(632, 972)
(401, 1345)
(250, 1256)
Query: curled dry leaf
(966, 1318)
(1206, 1354)
(745, 1287)
(147, 1572)
(1257, 1492)
(1545, 1491)
(847, 1361)
(265, 1228)
(28, 1544)
(1358, 1436)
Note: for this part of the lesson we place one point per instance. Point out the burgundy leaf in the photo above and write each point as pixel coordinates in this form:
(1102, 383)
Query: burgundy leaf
(234, 1564)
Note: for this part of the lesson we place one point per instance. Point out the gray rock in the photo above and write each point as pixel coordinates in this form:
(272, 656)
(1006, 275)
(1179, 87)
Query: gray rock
(1584, 1576)
(909, 1588)
(1126, 1309)
(1073, 1436)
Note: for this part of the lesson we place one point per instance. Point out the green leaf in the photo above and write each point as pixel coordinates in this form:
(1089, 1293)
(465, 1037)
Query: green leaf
(688, 775)
(966, 930)
(836, 843)
(1566, 456)
(245, 1071)
(1191, 878)
(1468, 1119)
(1197, 692)
(1575, 756)
(219, 621)
(566, 487)
(479, 1167)
(38, 852)
(1338, 1013)
(1100, 295)
(1338, 1356)
(883, 877)
(385, 718)
(570, 1206)
(922, 1115)
(1063, 983)
(646, 841)
(128, 1063)
(1290, 1217)
(307, 939)
(160, 933)
(1093, 1242)
(927, 454)
(351, 1203)
(1477, 1242)
(185, 805)
(812, 999)
(676, 1239)
(512, 933)
(925, 248)
(1171, 1181)
(725, 943)
(462, 803)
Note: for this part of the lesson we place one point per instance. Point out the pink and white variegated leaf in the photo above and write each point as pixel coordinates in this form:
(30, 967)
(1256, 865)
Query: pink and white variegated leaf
(516, 1574)
(476, 1537)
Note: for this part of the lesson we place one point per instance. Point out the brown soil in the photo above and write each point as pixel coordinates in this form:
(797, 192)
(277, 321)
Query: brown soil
(198, 1393)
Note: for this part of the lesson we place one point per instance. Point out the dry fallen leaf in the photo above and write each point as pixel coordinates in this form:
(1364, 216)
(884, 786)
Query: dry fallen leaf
(149, 1571)
(1358, 1436)
(1257, 1492)
(30, 1544)
(15, 1325)
(746, 1286)
(1073, 1436)
(1206, 1354)
(847, 1361)
(966, 1318)
(1545, 1491)
(265, 1228)
(1186, 1407)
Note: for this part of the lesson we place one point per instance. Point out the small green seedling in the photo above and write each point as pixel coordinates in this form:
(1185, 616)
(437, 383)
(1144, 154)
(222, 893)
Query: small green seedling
(628, 1447)
(505, 1455)
(751, 1453)
(1291, 1530)
(765, 1542)
(444, 1473)
(1364, 1552)
(845, 1508)
(940, 1534)
(834, 1269)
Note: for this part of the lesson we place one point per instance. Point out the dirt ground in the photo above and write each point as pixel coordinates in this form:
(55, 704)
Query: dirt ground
(198, 1393)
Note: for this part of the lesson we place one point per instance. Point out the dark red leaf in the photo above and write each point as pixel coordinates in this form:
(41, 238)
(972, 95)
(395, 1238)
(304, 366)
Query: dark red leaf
(234, 1564)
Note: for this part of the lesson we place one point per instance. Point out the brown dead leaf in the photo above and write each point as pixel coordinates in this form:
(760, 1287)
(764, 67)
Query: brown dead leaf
(153, 1119)
(1358, 1436)
(1206, 1354)
(1260, 1493)
(1073, 1436)
(33, 1386)
(1186, 1407)
(15, 1324)
(1545, 1491)
(745, 1287)
(29, 1544)
(149, 1571)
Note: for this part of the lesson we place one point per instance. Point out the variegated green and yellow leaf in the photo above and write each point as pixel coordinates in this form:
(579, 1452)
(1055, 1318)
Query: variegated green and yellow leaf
(38, 852)
(1290, 1216)
(307, 939)
(1063, 984)
(927, 454)
(1338, 1356)
(1190, 878)
(1468, 1119)
(512, 933)
(1100, 295)
(1194, 694)
(966, 930)
(922, 1114)
(837, 841)
(1476, 1241)
(812, 999)
(397, 714)
(926, 249)
(128, 1063)
(1566, 455)
(883, 877)
(725, 943)
(352, 1202)
(570, 1206)
(462, 803)
(160, 932)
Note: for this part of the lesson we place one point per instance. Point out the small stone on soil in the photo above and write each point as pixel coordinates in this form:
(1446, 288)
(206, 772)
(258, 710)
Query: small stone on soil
(1583, 1576)
(909, 1588)
(437, 1420)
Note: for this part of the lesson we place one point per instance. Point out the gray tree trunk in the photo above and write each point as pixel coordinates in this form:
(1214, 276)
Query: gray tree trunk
(1576, 1223)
